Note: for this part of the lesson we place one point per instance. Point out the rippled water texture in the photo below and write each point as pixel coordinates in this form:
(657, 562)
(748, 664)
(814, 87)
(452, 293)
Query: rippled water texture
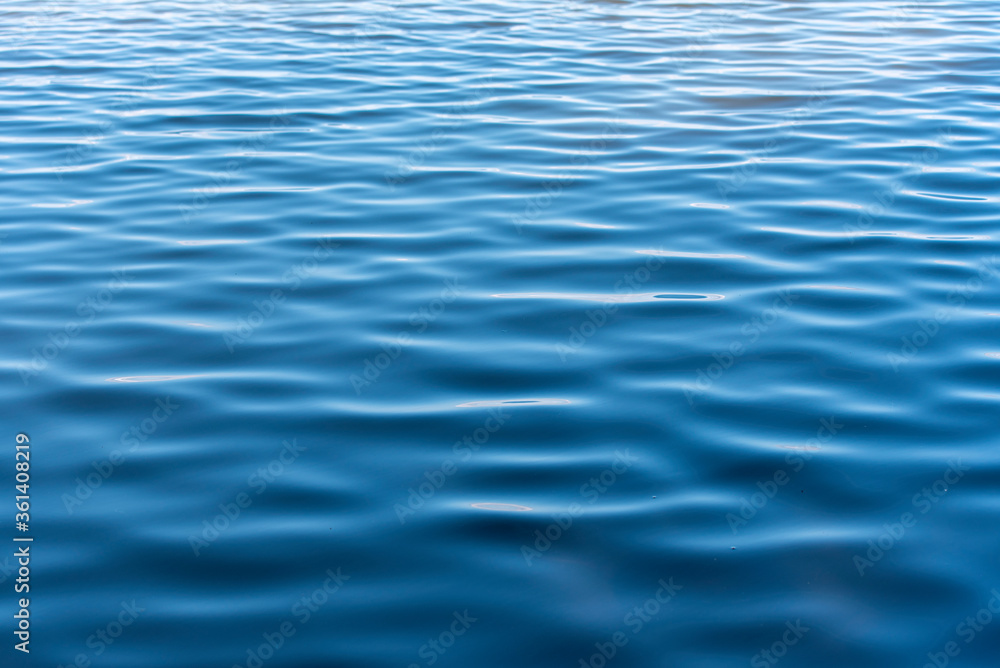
(503, 333)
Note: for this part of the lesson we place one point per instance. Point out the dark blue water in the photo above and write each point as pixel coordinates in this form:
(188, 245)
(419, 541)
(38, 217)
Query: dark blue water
(503, 333)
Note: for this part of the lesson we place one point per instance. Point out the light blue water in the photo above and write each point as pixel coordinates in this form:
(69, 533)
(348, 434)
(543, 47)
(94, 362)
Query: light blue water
(707, 293)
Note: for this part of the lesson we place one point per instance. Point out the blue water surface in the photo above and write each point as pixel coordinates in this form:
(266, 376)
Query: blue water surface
(507, 333)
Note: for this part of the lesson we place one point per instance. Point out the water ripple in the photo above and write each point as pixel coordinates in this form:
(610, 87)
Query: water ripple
(655, 329)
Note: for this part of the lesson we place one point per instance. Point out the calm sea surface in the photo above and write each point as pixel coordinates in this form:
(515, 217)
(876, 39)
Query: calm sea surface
(487, 334)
